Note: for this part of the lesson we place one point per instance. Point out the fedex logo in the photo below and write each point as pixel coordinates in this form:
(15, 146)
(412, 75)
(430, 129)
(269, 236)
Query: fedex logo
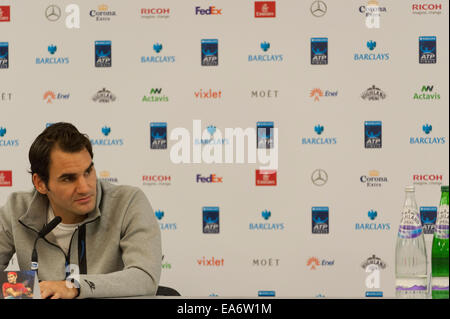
(210, 179)
(210, 11)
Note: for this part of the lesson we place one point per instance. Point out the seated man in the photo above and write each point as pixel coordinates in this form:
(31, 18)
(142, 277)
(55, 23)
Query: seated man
(108, 233)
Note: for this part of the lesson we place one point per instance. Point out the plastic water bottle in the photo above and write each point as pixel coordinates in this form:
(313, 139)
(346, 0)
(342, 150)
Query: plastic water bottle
(439, 252)
(410, 253)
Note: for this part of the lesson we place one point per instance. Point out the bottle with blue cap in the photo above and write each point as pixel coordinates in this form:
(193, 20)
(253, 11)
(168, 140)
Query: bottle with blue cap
(411, 279)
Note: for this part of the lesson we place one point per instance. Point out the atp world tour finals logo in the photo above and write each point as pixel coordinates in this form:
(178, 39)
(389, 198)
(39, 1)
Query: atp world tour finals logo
(319, 51)
(265, 134)
(427, 50)
(4, 59)
(158, 135)
(211, 220)
(210, 52)
(372, 134)
(103, 57)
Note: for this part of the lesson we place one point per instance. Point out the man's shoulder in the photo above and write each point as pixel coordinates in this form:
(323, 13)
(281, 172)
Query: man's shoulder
(18, 202)
(118, 191)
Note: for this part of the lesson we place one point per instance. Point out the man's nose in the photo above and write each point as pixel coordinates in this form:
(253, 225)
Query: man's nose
(82, 185)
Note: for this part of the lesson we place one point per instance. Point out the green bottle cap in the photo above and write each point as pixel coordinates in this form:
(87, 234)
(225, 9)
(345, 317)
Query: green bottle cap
(444, 188)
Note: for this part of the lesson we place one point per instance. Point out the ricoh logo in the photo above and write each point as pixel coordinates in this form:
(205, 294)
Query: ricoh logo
(428, 179)
(213, 178)
(155, 13)
(426, 8)
(156, 180)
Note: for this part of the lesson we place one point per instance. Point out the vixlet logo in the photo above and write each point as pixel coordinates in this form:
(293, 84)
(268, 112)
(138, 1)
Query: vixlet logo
(158, 58)
(265, 56)
(427, 128)
(319, 129)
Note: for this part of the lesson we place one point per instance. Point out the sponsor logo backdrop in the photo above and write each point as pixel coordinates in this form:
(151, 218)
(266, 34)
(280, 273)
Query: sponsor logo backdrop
(358, 93)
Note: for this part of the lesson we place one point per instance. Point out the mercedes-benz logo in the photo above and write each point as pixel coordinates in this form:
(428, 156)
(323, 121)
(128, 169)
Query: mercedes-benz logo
(318, 8)
(319, 177)
(53, 12)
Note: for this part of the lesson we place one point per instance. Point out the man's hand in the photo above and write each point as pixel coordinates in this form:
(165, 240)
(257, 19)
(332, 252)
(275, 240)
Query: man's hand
(57, 290)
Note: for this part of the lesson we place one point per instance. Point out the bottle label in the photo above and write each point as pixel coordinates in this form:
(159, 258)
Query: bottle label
(442, 229)
(418, 285)
(439, 283)
(410, 226)
(409, 232)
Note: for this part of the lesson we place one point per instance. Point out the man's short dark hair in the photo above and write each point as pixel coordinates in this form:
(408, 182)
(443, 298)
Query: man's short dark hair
(62, 135)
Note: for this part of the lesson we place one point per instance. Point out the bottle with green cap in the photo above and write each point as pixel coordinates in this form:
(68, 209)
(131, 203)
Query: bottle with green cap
(439, 251)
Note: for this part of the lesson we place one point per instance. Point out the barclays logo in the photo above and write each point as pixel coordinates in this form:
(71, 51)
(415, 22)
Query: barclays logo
(159, 214)
(211, 131)
(7, 142)
(372, 226)
(266, 215)
(52, 60)
(106, 130)
(427, 128)
(371, 45)
(265, 46)
(319, 129)
(158, 47)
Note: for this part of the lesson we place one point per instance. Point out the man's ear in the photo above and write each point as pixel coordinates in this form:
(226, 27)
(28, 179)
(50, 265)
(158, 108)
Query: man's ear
(39, 184)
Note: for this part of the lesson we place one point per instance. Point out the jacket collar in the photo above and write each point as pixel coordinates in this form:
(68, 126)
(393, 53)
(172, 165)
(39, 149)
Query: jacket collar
(36, 215)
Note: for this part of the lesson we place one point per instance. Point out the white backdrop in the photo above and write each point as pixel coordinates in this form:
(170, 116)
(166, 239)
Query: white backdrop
(246, 261)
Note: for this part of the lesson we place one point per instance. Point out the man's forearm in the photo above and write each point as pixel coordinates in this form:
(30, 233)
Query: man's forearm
(126, 283)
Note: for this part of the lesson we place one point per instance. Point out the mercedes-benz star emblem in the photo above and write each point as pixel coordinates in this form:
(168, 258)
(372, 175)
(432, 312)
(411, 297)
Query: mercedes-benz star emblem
(319, 177)
(52, 12)
(318, 8)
